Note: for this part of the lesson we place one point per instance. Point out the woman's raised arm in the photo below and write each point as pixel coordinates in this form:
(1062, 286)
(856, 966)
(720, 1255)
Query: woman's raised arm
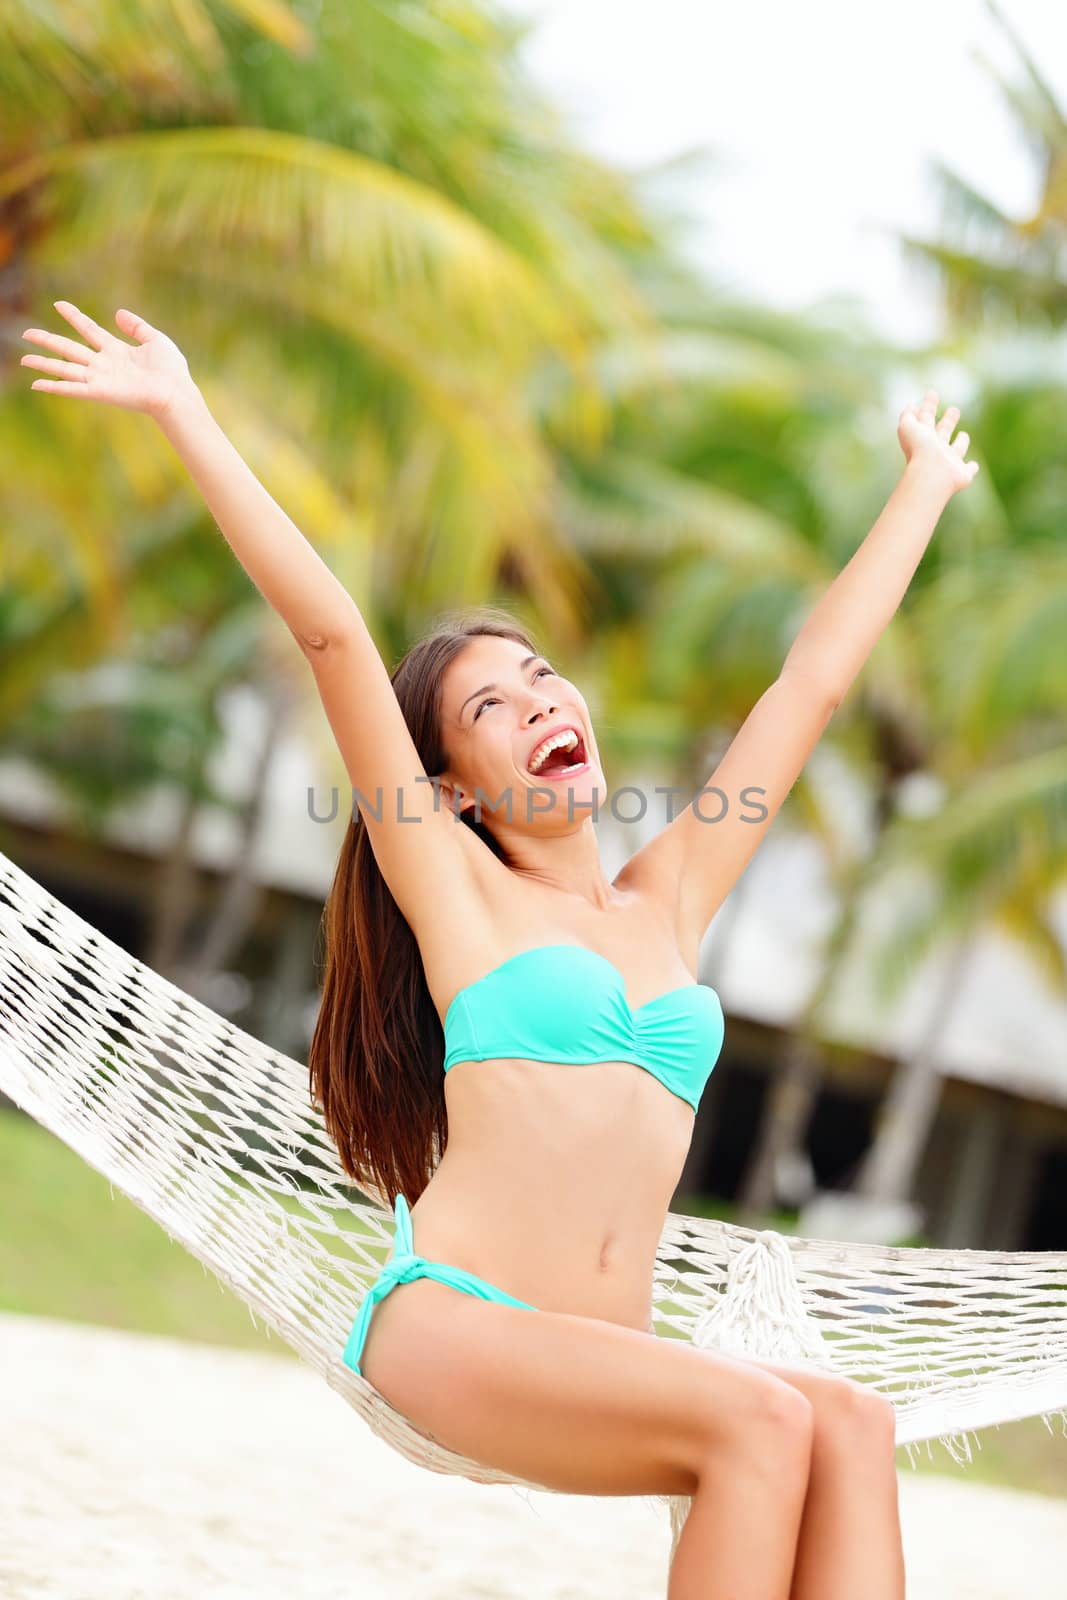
(433, 863)
(152, 376)
(695, 861)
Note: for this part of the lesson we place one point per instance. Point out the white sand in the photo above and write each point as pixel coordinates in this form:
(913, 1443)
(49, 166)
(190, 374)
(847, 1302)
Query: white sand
(134, 1466)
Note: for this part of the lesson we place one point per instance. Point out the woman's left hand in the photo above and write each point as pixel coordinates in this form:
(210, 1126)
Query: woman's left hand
(923, 439)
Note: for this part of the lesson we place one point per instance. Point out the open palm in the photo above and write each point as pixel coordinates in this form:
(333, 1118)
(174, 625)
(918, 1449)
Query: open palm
(138, 377)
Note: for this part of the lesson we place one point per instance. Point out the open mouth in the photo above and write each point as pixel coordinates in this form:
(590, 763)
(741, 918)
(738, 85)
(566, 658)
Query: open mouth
(564, 761)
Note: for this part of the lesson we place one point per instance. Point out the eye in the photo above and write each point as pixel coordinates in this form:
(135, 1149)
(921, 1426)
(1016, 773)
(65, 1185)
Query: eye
(491, 699)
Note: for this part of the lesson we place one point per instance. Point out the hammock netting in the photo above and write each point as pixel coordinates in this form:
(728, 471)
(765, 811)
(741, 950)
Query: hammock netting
(216, 1137)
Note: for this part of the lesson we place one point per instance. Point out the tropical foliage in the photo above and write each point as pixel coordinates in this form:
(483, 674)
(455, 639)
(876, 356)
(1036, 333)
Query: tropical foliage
(472, 362)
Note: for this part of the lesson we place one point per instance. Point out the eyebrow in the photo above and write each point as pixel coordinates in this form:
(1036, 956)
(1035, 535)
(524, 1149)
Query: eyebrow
(527, 661)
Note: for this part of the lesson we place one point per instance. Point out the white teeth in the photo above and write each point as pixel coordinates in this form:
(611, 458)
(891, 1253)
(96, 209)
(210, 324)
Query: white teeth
(566, 740)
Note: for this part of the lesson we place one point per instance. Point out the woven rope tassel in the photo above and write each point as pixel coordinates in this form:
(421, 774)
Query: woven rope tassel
(761, 1313)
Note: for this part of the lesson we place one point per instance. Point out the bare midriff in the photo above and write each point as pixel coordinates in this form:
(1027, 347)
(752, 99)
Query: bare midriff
(556, 1182)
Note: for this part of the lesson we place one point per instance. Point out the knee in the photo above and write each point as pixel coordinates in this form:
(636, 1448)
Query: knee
(777, 1425)
(856, 1415)
(792, 1417)
(779, 1450)
(765, 1432)
(759, 1424)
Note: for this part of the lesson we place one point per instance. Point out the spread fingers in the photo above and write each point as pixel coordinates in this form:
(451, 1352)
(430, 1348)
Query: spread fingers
(61, 346)
(58, 369)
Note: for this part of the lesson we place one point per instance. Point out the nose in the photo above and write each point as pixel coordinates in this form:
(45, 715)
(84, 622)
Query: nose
(547, 712)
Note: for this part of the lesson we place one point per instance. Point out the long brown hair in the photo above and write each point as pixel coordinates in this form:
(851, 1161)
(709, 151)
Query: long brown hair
(376, 1056)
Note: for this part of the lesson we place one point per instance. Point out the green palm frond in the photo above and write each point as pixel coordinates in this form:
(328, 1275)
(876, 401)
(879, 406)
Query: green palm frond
(990, 633)
(933, 919)
(989, 265)
(115, 33)
(71, 533)
(274, 19)
(642, 507)
(1037, 110)
(108, 735)
(993, 826)
(726, 360)
(995, 852)
(256, 200)
(976, 287)
(1026, 919)
(169, 569)
(963, 207)
(59, 62)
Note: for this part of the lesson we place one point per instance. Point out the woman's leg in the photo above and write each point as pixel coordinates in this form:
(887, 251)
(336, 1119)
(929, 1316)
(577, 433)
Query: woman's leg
(739, 1539)
(850, 1542)
(590, 1407)
(599, 1409)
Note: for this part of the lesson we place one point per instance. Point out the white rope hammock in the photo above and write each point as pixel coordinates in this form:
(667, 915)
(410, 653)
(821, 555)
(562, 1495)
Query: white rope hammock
(215, 1136)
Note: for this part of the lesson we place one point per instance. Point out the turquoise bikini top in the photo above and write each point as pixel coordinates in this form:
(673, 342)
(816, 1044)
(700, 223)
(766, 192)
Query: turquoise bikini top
(565, 1002)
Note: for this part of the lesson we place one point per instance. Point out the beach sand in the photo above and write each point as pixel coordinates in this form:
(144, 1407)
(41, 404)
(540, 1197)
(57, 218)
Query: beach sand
(137, 1467)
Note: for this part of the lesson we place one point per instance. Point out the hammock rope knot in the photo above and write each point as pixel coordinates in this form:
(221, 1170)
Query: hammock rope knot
(762, 1311)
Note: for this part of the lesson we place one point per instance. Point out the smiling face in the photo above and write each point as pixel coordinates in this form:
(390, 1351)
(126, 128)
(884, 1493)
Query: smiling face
(498, 704)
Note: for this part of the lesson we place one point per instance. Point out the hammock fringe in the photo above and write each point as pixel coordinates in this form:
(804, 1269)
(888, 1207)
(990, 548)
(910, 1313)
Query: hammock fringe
(959, 1444)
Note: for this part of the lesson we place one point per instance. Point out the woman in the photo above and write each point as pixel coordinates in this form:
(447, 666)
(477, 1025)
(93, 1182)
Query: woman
(471, 926)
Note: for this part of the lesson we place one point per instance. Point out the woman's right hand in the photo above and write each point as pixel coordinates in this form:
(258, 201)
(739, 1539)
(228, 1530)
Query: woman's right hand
(144, 376)
(924, 439)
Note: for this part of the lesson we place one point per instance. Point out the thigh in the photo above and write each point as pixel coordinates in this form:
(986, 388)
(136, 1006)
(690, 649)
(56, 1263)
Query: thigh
(575, 1403)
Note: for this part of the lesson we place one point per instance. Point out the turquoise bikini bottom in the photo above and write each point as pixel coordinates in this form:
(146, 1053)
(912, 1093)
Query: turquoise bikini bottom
(402, 1267)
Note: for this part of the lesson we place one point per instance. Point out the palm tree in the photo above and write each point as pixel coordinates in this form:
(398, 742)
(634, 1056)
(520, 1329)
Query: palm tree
(982, 636)
(992, 858)
(419, 324)
(1015, 272)
(991, 266)
(459, 310)
(364, 219)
